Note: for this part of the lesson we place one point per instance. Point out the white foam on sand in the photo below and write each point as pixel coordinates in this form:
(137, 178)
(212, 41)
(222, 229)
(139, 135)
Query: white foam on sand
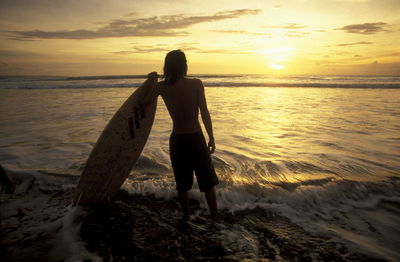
(364, 216)
(162, 189)
(33, 214)
(68, 245)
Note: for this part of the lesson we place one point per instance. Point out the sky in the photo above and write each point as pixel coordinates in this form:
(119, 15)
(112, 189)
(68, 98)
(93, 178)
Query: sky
(119, 37)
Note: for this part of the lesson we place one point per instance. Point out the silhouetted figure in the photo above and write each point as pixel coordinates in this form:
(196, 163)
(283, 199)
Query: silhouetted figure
(184, 97)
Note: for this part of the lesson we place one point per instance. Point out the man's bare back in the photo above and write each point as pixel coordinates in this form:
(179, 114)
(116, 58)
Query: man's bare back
(182, 101)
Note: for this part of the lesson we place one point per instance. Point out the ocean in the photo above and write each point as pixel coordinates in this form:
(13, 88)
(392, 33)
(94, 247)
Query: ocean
(320, 152)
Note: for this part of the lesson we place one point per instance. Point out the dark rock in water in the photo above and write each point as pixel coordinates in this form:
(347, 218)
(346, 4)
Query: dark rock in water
(107, 231)
(6, 184)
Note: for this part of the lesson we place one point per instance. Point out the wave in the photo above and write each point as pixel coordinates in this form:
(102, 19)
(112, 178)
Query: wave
(68, 85)
(360, 214)
(74, 86)
(214, 80)
(106, 77)
(322, 198)
(143, 76)
(320, 195)
(301, 85)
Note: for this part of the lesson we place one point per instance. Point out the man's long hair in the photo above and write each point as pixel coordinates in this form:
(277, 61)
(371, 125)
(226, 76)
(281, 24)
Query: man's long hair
(175, 66)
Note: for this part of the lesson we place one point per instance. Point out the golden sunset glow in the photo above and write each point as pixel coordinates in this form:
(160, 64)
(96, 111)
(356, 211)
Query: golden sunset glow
(259, 37)
(276, 57)
(276, 66)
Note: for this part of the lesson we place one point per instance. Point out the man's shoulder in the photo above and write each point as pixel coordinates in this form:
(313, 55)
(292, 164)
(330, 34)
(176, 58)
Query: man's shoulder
(194, 81)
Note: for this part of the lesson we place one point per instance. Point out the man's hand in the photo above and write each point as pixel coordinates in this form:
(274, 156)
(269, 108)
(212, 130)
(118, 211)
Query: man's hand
(211, 146)
(153, 76)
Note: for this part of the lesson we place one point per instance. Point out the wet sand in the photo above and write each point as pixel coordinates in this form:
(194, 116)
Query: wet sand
(40, 225)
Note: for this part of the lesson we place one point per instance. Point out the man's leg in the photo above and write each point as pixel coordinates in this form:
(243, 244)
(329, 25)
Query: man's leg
(212, 203)
(184, 201)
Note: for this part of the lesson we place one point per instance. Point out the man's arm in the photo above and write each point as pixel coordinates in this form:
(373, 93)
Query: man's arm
(205, 116)
(150, 92)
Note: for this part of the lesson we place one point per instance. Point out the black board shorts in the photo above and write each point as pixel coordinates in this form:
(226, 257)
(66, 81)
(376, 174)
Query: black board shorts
(189, 153)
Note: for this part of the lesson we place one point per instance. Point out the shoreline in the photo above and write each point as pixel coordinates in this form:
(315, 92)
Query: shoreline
(143, 228)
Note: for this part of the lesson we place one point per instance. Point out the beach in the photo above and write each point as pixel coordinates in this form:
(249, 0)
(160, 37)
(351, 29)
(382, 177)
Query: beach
(308, 168)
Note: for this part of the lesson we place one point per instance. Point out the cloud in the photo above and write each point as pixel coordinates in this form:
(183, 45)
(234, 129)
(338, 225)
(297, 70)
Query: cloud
(296, 33)
(230, 31)
(236, 32)
(221, 51)
(289, 26)
(123, 52)
(17, 38)
(356, 43)
(157, 48)
(145, 49)
(381, 56)
(183, 46)
(130, 14)
(16, 54)
(365, 29)
(170, 25)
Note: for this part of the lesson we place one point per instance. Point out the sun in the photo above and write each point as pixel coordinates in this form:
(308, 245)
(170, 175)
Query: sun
(276, 66)
(276, 56)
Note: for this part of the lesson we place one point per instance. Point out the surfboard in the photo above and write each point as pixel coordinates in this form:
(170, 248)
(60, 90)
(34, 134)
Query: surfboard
(116, 151)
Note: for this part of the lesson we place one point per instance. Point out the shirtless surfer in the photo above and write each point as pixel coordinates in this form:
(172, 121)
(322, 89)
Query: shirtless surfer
(188, 149)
